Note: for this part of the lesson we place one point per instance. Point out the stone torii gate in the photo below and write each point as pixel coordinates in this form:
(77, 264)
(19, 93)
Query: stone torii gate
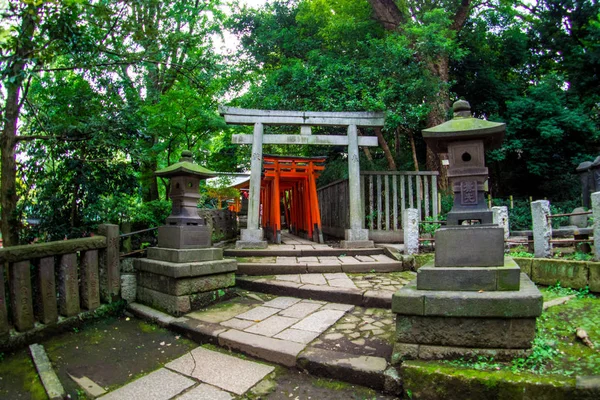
(356, 236)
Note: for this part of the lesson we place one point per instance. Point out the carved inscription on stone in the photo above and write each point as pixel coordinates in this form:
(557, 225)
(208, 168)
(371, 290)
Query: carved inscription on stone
(68, 288)
(90, 290)
(3, 312)
(468, 193)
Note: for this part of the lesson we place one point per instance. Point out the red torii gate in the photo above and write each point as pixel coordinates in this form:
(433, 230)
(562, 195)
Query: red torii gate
(290, 182)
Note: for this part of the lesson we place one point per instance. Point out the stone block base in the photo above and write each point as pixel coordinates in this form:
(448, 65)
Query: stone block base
(179, 305)
(185, 270)
(524, 303)
(504, 333)
(469, 246)
(502, 278)
(184, 236)
(357, 244)
(244, 244)
(183, 286)
(184, 255)
(409, 351)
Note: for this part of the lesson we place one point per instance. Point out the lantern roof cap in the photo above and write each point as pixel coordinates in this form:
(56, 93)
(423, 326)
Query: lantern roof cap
(464, 127)
(186, 166)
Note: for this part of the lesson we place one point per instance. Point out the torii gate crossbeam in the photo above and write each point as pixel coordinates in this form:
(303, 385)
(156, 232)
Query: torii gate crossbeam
(356, 236)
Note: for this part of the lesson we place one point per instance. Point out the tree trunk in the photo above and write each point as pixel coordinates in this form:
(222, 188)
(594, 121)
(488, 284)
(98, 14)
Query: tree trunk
(8, 189)
(386, 150)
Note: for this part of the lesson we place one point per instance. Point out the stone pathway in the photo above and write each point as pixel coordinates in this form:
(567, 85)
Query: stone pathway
(199, 374)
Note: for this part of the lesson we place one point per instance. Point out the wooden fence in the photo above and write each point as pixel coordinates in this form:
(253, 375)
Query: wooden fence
(384, 195)
(51, 282)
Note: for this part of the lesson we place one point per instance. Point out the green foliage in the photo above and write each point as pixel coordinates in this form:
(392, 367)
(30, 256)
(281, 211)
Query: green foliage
(429, 227)
(221, 190)
(521, 251)
(560, 291)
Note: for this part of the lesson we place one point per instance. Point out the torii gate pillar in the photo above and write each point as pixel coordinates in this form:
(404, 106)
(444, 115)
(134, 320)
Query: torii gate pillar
(356, 236)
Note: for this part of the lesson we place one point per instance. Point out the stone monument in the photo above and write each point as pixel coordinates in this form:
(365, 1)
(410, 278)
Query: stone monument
(470, 300)
(184, 272)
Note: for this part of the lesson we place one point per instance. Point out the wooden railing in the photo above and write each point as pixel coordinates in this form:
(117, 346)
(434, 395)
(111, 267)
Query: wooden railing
(48, 282)
(384, 195)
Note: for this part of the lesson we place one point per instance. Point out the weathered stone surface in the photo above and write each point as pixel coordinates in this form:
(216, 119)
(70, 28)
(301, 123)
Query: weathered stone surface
(448, 383)
(524, 264)
(282, 302)
(68, 286)
(377, 298)
(47, 306)
(501, 219)
(183, 286)
(41, 250)
(572, 274)
(377, 266)
(542, 228)
(205, 392)
(184, 236)
(198, 331)
(319, 321)
(275, 350)
(485, 246)
(258, 313)
(300, 310)
(410, 226)
(181, 270)
(91, 388)
(580, 221)
(458, 278)
(204, 299)
(150, 314)
(297, 335)
(221, 370)
(594, 276)
(158, 385)
(272, 325)
(108, 264)
(466, 332)
(525, 303)
(52, 385)
(256, 269)
(126, 264)
(356, 244)
(89, 284)
(129, 287)
(362, 370)
(596, 214)
(21, 295)
(184, 255)
(174, 305)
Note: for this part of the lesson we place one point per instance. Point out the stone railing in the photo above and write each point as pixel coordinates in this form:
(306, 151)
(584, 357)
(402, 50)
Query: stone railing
(384, 196)
(51, 282)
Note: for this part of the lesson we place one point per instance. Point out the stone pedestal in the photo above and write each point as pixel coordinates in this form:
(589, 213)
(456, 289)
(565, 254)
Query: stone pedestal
(178, 281)
(357, 238)
(251, 239)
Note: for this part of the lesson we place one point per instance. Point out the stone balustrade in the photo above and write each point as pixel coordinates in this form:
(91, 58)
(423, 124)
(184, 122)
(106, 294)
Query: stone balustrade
(48, 282)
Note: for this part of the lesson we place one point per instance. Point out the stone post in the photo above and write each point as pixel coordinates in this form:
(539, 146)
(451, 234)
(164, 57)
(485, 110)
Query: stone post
(501, 219)
(252, 236)
(410, 225)
(3, 308)
(542, 228)
(109, 270)
(356, 236)
(596, 215)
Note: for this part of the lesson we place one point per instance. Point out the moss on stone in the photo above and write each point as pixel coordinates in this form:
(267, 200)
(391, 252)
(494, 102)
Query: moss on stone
(422, 259)
(20, 378)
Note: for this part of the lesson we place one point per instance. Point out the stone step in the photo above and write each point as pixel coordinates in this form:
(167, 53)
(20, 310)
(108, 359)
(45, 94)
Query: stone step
(319, 264)
(300, 251)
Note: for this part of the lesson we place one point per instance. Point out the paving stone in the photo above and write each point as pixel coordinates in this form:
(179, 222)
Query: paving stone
(282, 302)
(272, 325)
(286, 260)
(314, 301)
(341, 283)
(319, 321)
(290, 278)
(300, 310)
(238, 323)
(367, 327)
(365, 258)
(359, 342)
(368, 319)
(377, 332)
(336, 275)
(205, 392)
(259, 313)
(351, 318)
(158, 385)
(348, 260)
(308, 260)
(354, 335)
(313, 279)
(223, 371)
(345, 326)
(297, 335)
(279, 351)
(333, 336)
(338, 306)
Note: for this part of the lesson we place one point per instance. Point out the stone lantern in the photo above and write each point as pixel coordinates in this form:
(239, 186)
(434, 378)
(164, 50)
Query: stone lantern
(184, 228)
(184, 273)
(586, 176)
(471, 300)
